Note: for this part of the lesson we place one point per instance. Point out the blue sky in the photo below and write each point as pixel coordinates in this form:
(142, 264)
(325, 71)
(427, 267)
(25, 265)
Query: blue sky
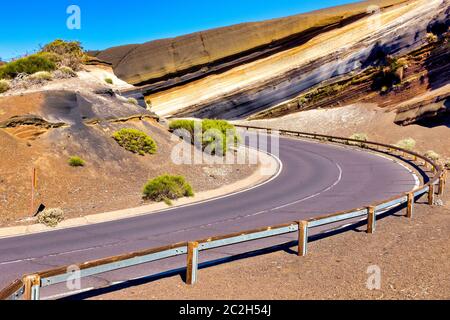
(106, 23)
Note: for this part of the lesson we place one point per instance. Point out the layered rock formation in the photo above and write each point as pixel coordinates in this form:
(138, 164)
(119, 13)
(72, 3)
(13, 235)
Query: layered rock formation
(240, 77)
(188, 57)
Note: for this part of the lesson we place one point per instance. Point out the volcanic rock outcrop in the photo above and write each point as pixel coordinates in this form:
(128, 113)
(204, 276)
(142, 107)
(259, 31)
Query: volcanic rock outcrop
(190, 56)
(237, 71)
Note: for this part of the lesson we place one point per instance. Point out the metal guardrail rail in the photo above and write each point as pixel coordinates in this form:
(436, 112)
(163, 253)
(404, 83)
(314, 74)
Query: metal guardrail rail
(28, 288)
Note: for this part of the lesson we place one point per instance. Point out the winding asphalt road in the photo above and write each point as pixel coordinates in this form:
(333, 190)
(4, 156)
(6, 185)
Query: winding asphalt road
(315, 179)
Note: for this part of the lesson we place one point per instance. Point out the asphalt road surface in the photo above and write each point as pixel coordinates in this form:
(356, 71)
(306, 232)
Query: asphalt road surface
(315, 179)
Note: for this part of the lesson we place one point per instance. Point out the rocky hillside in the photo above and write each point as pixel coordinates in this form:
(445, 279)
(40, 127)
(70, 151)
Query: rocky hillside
(196, 55)
(45, 124)
(291, 57)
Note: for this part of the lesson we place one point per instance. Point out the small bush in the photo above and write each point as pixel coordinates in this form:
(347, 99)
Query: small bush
(65, 73)
(133, 101)
(109, 81)
(51, 217)
(431, 38)
(360, 137)
(42, 76)
(135, 141)
(430, 154)
(407, 144)
(70, 53)
(447, 164)
(207, 138)
(4, 86)
(166, 188)
(29, 65)
(76, 162)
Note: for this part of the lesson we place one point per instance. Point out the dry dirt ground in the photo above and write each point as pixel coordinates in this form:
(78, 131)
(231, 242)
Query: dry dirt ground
(376, 122)
(77, 117)
(412, 255)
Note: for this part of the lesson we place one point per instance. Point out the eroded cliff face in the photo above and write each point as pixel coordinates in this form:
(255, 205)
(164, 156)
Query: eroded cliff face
(318, 48)
(188, 57)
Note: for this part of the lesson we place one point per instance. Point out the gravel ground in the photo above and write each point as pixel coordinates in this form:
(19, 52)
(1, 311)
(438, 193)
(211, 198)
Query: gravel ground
(412, 255)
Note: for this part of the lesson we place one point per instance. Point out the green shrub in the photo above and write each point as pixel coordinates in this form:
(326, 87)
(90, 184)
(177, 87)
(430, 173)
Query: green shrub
(76, 162)
(4, 86)
(135, 141)
(207, 138)
(133, 101)
(70, 53)
(360, 137)
(66, 72)
(109, 81)
(29, 65)
(166, 188)
(447, 164)
(407, 144)
(51, 217)
(42, 75)
(430, 154)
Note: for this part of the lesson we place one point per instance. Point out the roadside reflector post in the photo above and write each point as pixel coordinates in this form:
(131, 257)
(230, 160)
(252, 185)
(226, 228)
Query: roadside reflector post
(192, 263)
(33, 189)
(32, 286)
(302, 238)
(431, 195)
(371, 220)
(410, 207)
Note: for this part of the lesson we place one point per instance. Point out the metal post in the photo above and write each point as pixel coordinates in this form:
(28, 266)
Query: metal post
(431, 195)
(302, 238)
(192, 263)
(32, 285)
(410, 207)
(371, 220)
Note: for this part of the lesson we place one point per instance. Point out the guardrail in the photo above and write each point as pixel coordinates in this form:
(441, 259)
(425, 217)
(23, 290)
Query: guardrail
(28, 288)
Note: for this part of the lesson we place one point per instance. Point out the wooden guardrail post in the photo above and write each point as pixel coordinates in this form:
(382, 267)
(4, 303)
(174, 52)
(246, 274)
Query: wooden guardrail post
(431, 195)
(441, 185)
(410, 205)
(32, 286)
(371, 220)
(192, 263)
(302, 238)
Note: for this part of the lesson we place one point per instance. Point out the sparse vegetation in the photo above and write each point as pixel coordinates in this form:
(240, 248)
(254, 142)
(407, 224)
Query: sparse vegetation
(431, 38)
(76, 162)
(42, 76)
(210, 129)
(64, 73)
(135, 141)
(133, 101)
(166, 188)
(430, 154)
(109, 81)
(360, 137)
(447, 164)
(54, 55)
(29, 65)
(4, 86)
(407, 144)
(51, 217)
(70, 53)
(390, 73)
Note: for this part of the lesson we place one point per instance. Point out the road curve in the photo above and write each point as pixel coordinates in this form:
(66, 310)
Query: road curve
(316, 179)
